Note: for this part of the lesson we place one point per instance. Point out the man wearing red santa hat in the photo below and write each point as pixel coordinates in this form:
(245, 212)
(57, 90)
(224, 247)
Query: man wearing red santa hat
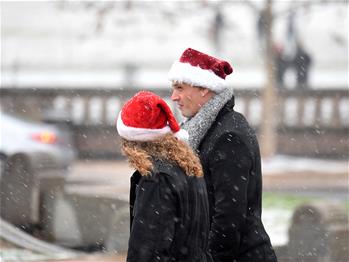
(229, 153)
(168, 197)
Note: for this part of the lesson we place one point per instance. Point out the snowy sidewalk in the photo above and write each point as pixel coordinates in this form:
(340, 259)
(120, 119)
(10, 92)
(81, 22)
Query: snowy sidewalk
(284, 172)
(282, 163)
(279, 172)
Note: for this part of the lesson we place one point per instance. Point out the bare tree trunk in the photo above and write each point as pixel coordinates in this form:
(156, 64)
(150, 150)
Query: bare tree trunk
(268, 134)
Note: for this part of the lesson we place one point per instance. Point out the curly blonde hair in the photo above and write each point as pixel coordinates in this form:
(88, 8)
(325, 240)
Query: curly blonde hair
(168, 147)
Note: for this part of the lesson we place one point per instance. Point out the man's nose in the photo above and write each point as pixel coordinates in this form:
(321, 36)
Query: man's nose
(174, 96)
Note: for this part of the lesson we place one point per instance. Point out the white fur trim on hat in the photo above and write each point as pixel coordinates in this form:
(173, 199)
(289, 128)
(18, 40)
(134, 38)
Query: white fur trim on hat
(140, 134)
(196, 76)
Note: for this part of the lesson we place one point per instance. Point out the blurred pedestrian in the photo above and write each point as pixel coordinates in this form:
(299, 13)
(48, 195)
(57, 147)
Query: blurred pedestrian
(262, 28)
(229, 154)
(168, 197)
(281, 65)
(302, 65)
(217, 29)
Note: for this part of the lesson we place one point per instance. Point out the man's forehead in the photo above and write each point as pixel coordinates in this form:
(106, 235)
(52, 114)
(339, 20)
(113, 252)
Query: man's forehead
(179, 84)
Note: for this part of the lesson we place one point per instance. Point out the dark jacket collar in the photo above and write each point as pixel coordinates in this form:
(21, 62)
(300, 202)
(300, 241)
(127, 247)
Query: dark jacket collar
(159, 166)
(229, 106)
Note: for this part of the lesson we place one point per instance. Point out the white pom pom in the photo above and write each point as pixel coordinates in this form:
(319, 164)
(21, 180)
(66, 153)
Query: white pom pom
(182, 135)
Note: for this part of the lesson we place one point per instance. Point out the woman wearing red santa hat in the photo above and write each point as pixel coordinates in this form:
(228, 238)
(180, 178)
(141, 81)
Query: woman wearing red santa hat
(168, 197)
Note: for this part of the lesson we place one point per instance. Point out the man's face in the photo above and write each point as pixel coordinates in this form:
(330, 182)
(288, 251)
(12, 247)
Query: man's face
(189, 98)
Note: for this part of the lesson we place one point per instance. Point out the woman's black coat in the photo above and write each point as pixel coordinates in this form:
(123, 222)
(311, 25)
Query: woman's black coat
(231, 160)
(169, 216)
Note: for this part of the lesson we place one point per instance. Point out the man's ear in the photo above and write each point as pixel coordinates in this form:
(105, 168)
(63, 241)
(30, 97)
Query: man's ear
(204, 91)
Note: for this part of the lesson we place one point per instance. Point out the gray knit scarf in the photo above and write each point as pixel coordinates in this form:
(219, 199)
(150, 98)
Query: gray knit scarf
(198, 125)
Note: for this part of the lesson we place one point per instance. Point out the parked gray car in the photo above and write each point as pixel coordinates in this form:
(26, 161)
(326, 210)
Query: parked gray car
(34, 159)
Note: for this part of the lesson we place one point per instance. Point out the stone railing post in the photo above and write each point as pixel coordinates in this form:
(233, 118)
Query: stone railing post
(318, 233)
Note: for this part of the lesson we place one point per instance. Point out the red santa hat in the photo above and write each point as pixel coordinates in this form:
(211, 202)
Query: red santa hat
(146, 117)
(199, 69)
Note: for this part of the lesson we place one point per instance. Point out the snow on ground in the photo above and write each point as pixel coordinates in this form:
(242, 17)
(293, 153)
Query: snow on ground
(276, 222)
(17, 254)
(284, 164)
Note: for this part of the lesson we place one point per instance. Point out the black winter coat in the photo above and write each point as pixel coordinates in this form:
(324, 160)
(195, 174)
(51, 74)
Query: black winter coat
(231, 161)
(169, 216)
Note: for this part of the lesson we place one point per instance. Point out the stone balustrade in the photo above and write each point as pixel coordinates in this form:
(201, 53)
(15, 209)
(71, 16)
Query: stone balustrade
(312, 121)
